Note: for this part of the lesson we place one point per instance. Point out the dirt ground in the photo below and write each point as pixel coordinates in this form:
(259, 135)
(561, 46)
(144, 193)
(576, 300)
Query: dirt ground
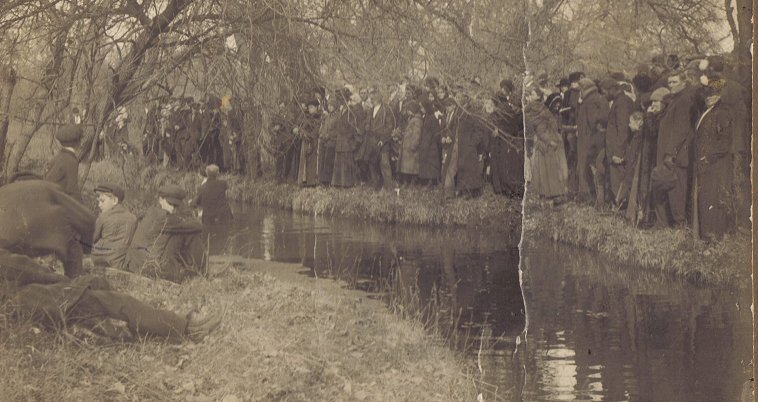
(285, 336)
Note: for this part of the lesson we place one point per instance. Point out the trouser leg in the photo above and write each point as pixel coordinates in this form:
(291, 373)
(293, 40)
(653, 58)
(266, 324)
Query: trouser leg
(677, 197)
(141, 318)
(386, 168)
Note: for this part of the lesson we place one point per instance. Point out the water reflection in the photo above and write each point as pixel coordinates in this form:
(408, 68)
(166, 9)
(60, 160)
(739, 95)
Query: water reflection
(599, 331)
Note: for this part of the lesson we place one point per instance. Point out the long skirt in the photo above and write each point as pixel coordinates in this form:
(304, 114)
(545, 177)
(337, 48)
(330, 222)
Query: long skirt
(549, 172)
(325, 162)
(344, 169)
(507, 168)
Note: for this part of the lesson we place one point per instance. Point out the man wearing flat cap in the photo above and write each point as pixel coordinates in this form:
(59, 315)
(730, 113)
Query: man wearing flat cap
(113, 227)
(167, 242)
(64, 168)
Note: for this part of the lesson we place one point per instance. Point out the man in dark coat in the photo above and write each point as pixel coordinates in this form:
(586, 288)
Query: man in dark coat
(617, 138)
(346, 132)
(113, 227)
(592, 118)
(56, 301)
(64, 168)
(569, 110)
(167, 242)
(211, 199)
(37, 218)
(376, 148)
(429, 145)
(714, 156)
(675, 135)
(507, 145)
(473, 138)
(449, 140)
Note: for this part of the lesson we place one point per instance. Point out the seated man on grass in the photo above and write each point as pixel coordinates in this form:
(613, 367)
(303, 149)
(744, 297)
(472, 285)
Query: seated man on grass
(167, 243)
(113, 227)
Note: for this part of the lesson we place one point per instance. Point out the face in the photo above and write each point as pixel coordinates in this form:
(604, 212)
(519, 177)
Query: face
(675, 84)
(312, 109)
(106, 201)
(330, 108)
(564, 88)
(489, 106)
(574, 85)
(656, 106)
(441, 93)
(165, 204)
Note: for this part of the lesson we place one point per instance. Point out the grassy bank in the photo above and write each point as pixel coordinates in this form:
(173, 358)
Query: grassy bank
(668, 251)
(281, 339)
(414, 205)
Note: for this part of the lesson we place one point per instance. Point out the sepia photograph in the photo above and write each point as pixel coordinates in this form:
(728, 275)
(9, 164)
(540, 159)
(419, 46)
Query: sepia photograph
(376, 200)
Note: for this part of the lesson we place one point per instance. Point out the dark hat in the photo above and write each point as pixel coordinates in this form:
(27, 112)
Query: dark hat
(507, 85)
(586, 84)
(173, 194)
(607, 84)
(716, 63)
(24, 175)
(69, 135)
(413, 107)
(447, 102)
(564, 82)
(110, 188)
(618, 76)
(642, 82)
(575, 76)
(212, 170)
(431, 82)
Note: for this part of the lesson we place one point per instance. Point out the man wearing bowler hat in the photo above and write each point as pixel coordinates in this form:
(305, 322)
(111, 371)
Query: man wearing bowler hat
(64, 168)
(113, 227)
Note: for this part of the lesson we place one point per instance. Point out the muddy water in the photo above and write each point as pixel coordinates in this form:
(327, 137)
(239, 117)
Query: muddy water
(597, 331)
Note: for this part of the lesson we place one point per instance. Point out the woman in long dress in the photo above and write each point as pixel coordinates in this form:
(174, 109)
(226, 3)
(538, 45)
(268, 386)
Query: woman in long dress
(549, 169)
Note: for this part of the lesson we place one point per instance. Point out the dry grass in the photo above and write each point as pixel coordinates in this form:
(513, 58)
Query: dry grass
(671, 252)
(279, 341)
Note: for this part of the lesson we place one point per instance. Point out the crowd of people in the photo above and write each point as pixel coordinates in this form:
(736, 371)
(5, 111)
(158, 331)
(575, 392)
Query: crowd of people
(408, 134)
(665, 147)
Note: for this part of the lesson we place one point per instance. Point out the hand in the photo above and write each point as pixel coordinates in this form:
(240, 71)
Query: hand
(668, 160)
(617, 160)
(553, 145)
(380, 143)
(481, 157)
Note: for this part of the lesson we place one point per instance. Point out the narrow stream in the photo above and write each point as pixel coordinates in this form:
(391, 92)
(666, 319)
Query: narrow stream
(597, 331)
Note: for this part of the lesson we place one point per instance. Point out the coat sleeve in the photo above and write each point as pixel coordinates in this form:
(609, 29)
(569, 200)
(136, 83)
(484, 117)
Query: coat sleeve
(55, 172)
(413, 134)
(98, 229)
(598, 114)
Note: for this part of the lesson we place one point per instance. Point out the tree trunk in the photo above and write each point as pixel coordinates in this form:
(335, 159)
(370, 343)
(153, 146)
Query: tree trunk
(7, 83)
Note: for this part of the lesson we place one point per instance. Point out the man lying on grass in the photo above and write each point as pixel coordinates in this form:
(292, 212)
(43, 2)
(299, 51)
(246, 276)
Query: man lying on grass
(34, 292)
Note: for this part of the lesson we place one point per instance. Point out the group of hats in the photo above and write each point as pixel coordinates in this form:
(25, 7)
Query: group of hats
(172, 193)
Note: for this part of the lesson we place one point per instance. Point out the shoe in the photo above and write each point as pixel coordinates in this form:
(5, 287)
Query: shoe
(200, 327)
